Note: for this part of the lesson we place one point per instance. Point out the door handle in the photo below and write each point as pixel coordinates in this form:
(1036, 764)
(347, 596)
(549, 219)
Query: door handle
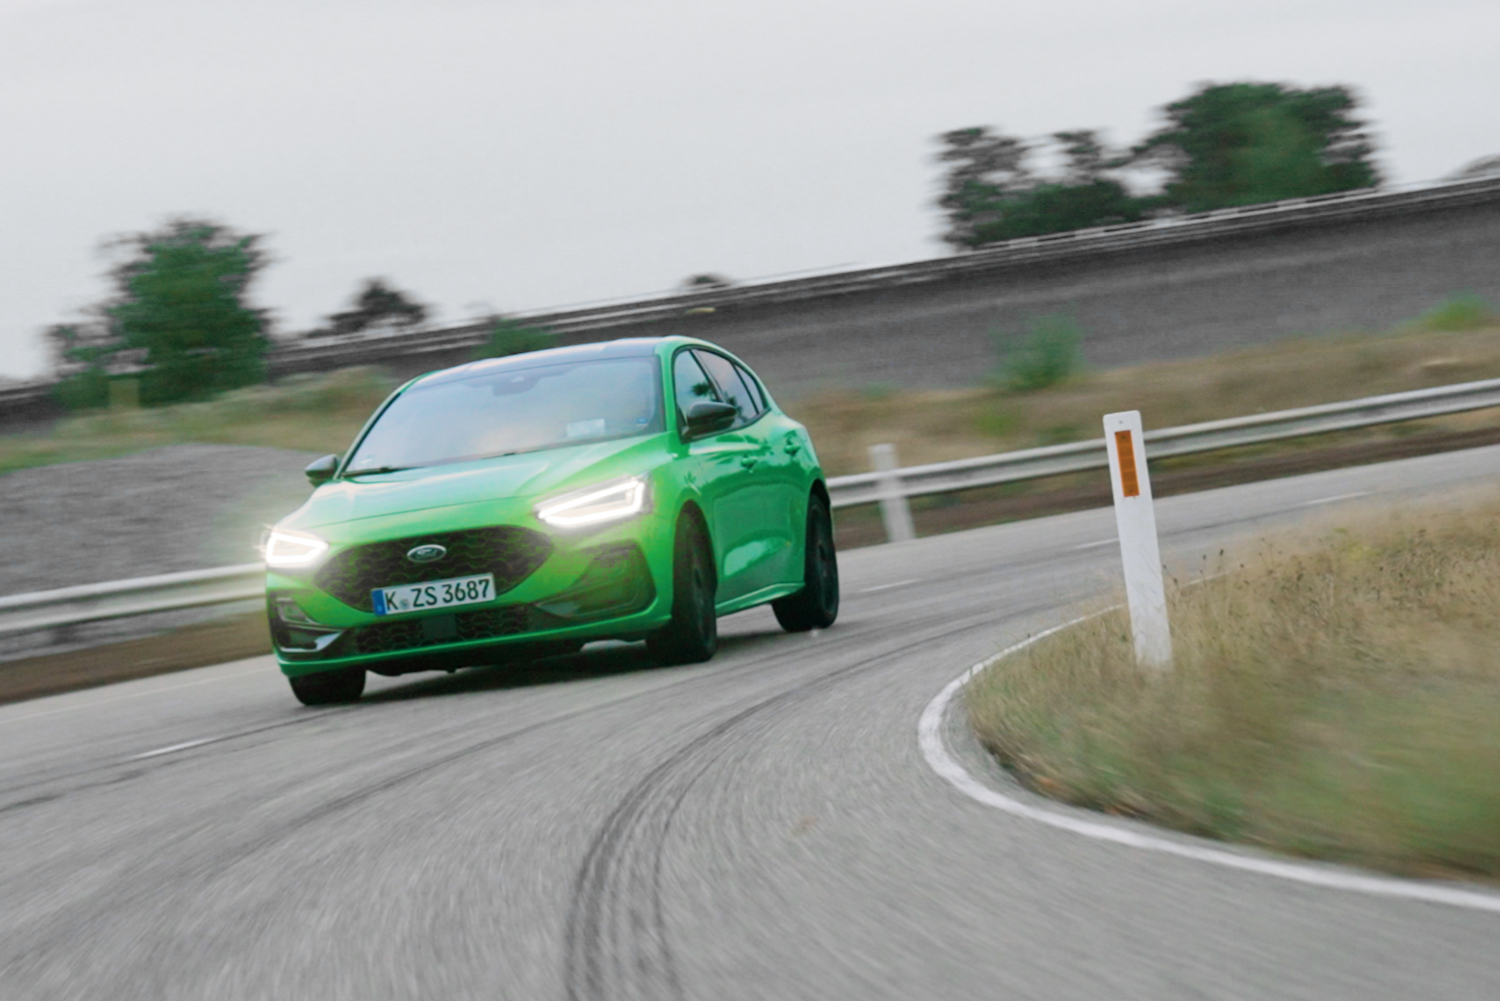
(749, 461)
(792, 445)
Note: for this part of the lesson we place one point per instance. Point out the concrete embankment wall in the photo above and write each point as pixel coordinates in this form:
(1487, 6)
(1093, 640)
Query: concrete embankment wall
(1155, 303)
(1203, 288)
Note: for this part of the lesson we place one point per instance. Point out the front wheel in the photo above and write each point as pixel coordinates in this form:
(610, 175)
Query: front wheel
(817, 604)
(693, 634)
(329, 687)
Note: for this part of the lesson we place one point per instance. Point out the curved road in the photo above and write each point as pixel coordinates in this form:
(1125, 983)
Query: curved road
(763, 826)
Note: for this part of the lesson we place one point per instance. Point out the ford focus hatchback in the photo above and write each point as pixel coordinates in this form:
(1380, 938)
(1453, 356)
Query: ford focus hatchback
(633, 490)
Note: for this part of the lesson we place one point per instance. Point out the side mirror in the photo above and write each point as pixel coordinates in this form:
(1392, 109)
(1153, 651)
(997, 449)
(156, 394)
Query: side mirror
(707, 417)
(320, 471)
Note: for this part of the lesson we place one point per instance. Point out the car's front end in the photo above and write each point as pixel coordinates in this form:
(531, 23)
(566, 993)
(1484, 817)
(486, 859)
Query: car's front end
(391, 591)
(448, 563)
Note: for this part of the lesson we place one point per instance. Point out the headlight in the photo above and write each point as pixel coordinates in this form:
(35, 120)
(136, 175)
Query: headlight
(292, 549)
(594, 505)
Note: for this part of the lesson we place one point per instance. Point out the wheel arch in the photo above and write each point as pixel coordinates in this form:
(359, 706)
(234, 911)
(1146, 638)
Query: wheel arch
(691, 512)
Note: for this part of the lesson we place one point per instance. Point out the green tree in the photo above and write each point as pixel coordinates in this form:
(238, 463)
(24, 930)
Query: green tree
(182, 299)
(376, 304)
(1248, 143)
(180, 314)
(990, 194)
(985, 169)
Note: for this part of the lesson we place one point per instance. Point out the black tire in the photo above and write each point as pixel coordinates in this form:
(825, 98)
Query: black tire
(329, 687)
(816, 606)
(693, 634)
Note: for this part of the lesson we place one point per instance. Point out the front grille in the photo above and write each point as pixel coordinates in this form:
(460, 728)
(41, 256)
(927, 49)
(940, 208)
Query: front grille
(512, 554)
(481, 624)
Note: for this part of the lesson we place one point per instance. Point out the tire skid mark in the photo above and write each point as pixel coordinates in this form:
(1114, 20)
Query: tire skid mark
(133, 770)
(616, 940)
(178, 865)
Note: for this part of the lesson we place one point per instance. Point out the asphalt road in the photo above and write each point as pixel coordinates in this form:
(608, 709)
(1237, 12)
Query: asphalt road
(763, 826)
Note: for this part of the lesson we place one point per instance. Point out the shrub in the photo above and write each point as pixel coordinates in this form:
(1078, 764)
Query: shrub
(1459, 312)
(1046, 356)
(511, 337)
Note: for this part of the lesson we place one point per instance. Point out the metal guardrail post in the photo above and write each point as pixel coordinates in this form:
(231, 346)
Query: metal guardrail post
(894, 509)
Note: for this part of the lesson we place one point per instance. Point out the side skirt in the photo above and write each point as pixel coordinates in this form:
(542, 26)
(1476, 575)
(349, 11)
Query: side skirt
(754, 598)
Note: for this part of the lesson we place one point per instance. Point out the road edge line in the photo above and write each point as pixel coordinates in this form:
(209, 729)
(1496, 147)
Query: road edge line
(1328, 875)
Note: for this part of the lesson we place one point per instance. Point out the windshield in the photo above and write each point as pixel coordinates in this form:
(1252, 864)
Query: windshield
(509, 410)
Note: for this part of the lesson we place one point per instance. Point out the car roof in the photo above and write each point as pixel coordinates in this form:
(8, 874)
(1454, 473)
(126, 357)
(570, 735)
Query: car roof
(625, 347)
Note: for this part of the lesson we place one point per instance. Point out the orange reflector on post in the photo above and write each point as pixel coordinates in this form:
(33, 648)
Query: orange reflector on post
(1130, 483)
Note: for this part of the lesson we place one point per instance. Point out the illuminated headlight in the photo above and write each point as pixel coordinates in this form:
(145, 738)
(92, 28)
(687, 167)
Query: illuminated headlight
(595, 505)
(292, 549)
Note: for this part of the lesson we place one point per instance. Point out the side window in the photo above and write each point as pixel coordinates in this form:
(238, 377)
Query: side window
(736, 394)
(757, 391)
(692, 383)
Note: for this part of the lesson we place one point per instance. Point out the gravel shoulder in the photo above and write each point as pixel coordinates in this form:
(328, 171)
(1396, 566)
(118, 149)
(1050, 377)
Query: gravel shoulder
(181, 507)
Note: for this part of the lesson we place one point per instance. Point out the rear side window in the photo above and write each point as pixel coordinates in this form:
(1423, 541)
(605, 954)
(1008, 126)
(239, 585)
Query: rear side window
(692, 383)
(757, 391)
(737, 394)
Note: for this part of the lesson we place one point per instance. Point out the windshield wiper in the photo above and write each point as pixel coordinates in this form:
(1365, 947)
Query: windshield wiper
(377, 469)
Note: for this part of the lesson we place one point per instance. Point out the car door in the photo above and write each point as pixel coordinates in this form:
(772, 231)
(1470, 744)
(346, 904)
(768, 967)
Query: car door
(723, 465)
(758, 514)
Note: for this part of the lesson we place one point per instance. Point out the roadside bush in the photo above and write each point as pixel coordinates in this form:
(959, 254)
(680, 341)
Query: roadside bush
(83, 390)
(1046, 356)
(511, 337)
(1459, 312)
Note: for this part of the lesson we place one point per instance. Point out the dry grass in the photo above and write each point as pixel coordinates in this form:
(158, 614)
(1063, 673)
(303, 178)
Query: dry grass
(322, 413)
(937, 426)
(313, 413)
(1335, 696)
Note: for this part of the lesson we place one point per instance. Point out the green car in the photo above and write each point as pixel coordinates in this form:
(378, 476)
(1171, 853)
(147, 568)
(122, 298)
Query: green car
(523, 506)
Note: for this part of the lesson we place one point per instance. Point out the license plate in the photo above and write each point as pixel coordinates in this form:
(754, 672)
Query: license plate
(433, 594)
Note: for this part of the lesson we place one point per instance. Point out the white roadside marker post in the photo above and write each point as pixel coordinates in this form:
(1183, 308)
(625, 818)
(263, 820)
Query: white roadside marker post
(1135, 518)
(894, 510)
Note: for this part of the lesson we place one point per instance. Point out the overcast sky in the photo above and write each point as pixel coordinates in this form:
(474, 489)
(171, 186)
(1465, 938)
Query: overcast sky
(517, 154)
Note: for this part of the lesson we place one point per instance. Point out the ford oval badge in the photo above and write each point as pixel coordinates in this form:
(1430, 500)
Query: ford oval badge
(426, 554)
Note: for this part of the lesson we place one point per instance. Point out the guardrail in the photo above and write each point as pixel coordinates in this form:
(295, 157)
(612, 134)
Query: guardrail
(70, 606)
(889, 487)
(1034, 463)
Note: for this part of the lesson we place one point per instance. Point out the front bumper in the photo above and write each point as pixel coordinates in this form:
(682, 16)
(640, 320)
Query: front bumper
(599, 585)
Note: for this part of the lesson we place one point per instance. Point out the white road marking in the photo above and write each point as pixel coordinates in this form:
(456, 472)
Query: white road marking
(1334, 499)
(930, 738)
(886, 587)
(175, 747)
(1096, 545)
(132, 695)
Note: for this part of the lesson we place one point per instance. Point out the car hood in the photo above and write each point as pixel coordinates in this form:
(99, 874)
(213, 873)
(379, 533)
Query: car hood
(529, 475)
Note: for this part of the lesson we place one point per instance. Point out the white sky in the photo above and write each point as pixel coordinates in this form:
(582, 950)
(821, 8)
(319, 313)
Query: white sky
(516, 154)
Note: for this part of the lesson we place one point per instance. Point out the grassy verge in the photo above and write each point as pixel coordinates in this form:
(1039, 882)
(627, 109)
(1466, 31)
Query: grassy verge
(323, 413)
(1334, 697)
(320, 413)
(951, 424)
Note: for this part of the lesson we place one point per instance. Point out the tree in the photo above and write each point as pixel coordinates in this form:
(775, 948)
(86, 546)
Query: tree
(180, 314)
(183, 300)
(375, 305)
(986, 168)
(990, 194)
(1248, 143)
